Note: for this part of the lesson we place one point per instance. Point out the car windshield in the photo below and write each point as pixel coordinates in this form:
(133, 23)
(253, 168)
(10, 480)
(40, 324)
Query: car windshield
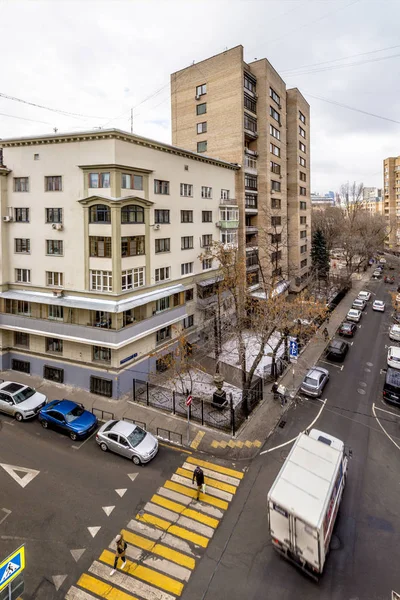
(378, 303)
(311, 381)
(395, 358)
(23, 395)
(346, 326)
(75, 413)
(136, 436)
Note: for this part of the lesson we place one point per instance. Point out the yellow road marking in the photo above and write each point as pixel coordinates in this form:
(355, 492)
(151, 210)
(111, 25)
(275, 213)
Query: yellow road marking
(216, 444)
(214, 467)
(105, 590)
(164, 551)
(182, 489)
(145, 574)
(177, 448)
(187, 512)
(197, 439)
(185, 534)
(226, 487)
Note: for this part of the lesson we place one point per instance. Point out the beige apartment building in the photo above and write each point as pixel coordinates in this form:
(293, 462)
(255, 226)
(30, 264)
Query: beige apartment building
(373, 201)
(391, 201)
(242, 113)
(101, 235)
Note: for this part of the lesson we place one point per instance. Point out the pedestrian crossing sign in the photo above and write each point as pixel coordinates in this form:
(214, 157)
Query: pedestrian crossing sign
(12, 566)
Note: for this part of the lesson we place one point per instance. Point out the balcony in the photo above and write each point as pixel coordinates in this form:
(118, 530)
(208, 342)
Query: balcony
(251, 152)
(251, 229)
(250, 165)
(228, 224)
(228, 202)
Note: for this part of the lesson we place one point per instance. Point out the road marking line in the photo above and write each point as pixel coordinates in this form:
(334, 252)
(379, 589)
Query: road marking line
(108, 509)
(8, 513)
(209, 488)
(330, 364)
(177, 449)
(176, 487)
(187, 512)
(94, 530)
(84, 442)
(58, 580)
(156, 548)
(121, 491)
(201, 508)
(178, 519)
(197, 439)
(30, 474)
(383, 429)
(75, 594)
(145, 574)
(102, 589)
(132, 476)
(195, 538)
(76, 554)
(215, 467)
(210, 482)
(383, 410)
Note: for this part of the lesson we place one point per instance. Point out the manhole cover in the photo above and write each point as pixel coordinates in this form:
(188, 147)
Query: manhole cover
(370, 364)
(282, 424)
(362, 384)
(367, 370)
(361, 391)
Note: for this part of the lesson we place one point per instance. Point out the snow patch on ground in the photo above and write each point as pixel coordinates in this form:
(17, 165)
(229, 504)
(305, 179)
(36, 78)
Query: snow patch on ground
(203, 386)
(230, 354)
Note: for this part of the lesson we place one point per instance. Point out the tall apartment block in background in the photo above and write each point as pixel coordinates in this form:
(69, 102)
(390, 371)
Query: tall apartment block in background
(242, 113)
(391, 201)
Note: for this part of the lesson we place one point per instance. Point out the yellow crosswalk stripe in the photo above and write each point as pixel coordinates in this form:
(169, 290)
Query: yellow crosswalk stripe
(209, 481)
(187, 512)
(145, 574)
(185, 534)
(105, 590)
(159, 549)
(215, 467)
(177, 487)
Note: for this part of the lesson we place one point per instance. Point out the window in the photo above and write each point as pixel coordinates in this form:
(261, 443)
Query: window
(56, 312)
(206, 192)
(276, 203)
(132, 246)
(250, 123)
(188, 322)
(163, 245)
(131, 182)
(18, 307)
(249, 83)
(100, 246)
(187, 242)
(36, 157)
(201, 109)
(303, 191)
(302, 161)
(54, 278)
(162, 274)
(162, 304)
(274, 96)
(99, 180)
(21, 215)
(277, 272)
(186, 268)
(161, 187)
(99, 213)
(163, 334)
(303, 249)
(23, 275)
(250, 103)
(275, 168)
(21, 184)
(133, 278)
(274, 114)
(201, 89)
(302, 117)
(101, 354)
(229, 214)
(229, 237)
(303, 176)
(100, 386)
(276, 256)
(275, 132)
(250, 182)
(132, 214)
(303, 205)
(164, 363)
(206, 216)
(302, 147)
(276, 221)
(21, 365)
(201, 147)
(53, 374)
(275, 186)
(206, 240)
(54, 345)
(21, 339)
(189, 295)
(303, 263)
(207, 263)
(54, 215)
(202, 127)
(303, 220)
(276, 238)
(186, 216)
(161, 216)
(53, 184)
(101, 281)
(55, 247)
(302, 132)
(274, 150)
(250, 201)
(22, 245)
(303, 234)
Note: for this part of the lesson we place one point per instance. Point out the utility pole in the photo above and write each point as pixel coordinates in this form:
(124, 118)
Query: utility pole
(131, 120)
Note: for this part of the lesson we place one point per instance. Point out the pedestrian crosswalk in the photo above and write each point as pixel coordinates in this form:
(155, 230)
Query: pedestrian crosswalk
(166, 538)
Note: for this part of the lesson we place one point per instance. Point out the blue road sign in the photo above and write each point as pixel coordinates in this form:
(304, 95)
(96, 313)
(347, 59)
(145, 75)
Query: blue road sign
(293, 349)
(11, 566)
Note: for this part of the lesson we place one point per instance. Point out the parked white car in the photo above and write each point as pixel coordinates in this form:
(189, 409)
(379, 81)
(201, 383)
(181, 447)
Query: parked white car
(354, 315)
(359, 304)
(394, 332)
(378, 305)
(20, 400)
(393, 357)
(364, 295)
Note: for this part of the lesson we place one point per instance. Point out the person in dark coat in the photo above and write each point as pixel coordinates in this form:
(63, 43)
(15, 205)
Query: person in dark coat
(198, 475)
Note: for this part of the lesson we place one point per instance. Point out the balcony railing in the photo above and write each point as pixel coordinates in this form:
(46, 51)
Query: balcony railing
(250, 162)
(228, 224)
(251, 229)
(228, 202)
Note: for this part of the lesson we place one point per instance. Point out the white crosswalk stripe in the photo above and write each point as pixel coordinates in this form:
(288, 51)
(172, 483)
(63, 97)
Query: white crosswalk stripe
(209, 489)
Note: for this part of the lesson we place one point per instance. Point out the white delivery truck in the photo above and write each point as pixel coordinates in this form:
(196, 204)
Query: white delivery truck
(304, 500)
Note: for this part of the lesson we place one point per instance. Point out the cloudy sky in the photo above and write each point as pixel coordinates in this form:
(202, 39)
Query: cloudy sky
(99, 59)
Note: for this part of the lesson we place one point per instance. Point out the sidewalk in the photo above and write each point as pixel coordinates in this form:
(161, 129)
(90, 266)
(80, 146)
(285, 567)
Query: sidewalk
(252, 434)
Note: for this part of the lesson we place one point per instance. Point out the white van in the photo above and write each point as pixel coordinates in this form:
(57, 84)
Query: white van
(393, 357)
(382, 261)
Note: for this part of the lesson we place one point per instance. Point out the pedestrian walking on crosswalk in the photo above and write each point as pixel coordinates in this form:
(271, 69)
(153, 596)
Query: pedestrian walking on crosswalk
(198, 475)
(120, 552)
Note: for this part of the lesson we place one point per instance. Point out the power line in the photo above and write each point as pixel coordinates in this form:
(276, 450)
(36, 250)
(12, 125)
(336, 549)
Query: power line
(24, 119)
(364, 112)
(62, 112)
(334, 67)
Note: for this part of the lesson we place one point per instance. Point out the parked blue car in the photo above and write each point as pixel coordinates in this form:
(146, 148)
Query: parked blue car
(68, 417)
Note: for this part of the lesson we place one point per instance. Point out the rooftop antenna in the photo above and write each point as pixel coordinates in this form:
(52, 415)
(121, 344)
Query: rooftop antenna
(131, 120)
(55, 129)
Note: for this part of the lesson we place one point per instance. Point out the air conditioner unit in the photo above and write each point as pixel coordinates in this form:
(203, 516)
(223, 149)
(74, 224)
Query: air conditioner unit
(57, 226)
(156, 226)
(197, 97)
(7, 219)
(58, 293)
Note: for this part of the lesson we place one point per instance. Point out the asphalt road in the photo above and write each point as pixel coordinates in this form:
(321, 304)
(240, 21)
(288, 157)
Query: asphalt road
(363, 561)
(54, 510)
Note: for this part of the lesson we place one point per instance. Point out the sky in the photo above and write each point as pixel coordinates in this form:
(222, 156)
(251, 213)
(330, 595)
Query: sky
(91, 62)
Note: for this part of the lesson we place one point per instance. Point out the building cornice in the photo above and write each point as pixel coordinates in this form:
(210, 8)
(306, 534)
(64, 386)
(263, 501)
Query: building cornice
(109, 200)
(102, 166)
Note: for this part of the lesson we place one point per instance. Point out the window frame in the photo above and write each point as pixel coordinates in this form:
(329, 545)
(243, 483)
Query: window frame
(209, 213)
(206, 192)
(132, 181)
(187, 269)
(20, 344)
(275, 114)
(199, 109)
(165, 213)
(165, 271)
(56, 216)
(132, 214)
(302, 117)
(161, 186)
(97, 276)
(101, 354)
(96, 210)
(27, 245)
(102, 178)
(25, 275)
(165, 249)
(53, 244)
(201, 90)
(132, 279)
(52, 182)
(21, 182)
(275, 97)
(57, 343)
(55, 312)
(201, 147)
(135, 245)
(201, 127)
(274, 132)
(187, 242)
(21, 215)
(189, 214)
(55, 279)
(302, 147)
(275, 150)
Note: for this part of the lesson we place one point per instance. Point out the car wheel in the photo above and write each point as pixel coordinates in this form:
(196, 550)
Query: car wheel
(73, 436)
(19, 417)
(104, 447)
(44, 424)
(136, 460)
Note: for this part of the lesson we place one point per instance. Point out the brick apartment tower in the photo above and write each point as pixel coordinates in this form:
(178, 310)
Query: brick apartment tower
(241, 112)
(391, 201)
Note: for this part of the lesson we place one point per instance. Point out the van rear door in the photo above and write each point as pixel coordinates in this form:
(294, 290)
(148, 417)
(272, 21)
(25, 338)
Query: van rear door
(307, 543)
(279, 524)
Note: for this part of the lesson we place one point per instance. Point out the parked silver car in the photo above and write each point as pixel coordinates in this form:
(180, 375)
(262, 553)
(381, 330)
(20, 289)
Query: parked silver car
(20, 401)
(315, 381)
(127, 439)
